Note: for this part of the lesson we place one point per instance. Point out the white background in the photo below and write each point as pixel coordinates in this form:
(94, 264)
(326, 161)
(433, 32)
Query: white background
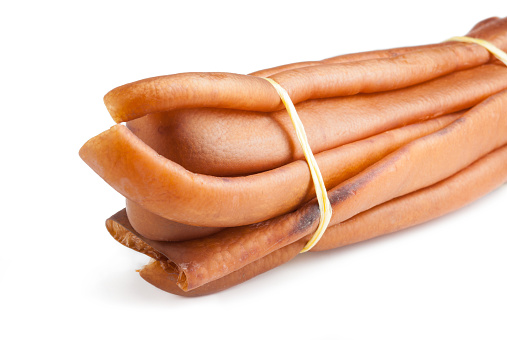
(63, 276)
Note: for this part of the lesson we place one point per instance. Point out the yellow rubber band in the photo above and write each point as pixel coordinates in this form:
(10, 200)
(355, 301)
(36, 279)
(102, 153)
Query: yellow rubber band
(320, 189)
(498, 53)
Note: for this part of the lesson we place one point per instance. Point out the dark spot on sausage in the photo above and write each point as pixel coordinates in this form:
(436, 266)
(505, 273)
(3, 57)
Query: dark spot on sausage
(349, 189)
(448, 128)
(307, 220)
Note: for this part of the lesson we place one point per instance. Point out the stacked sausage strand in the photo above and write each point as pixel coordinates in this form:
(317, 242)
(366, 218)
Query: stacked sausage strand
(216, 184)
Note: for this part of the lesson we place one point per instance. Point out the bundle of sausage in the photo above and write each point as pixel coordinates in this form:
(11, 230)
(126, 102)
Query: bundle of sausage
(216, 184)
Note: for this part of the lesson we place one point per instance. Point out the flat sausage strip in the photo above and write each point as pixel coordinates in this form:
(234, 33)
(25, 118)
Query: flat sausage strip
(157, 228)
(221, 142)
(346, 58)
(293, 184)
(171, 192)
(225, 90)
(419, 164)
(451, 194)
(420, 206)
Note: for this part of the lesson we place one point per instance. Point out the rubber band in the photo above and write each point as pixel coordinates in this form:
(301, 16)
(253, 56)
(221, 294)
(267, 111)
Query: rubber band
(320, 189)
(498, 53)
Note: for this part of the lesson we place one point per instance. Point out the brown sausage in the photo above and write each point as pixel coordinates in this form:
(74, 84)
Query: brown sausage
(222, 142)
(346, 58)
(453, 193)
(171, 192)
(176, 194)
(336, 165)
(419, 164)
(154, 227)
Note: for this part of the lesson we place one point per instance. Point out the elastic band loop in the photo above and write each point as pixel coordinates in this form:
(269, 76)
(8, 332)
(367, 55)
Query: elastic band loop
(320, 189)
(498, 53)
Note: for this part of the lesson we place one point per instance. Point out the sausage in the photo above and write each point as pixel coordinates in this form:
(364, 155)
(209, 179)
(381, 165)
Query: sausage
(176, 194)
(293, 183)
(346, 58)
(203, 255)
(431, 158)
(154, 227)
(222, 142)
(417, 207)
